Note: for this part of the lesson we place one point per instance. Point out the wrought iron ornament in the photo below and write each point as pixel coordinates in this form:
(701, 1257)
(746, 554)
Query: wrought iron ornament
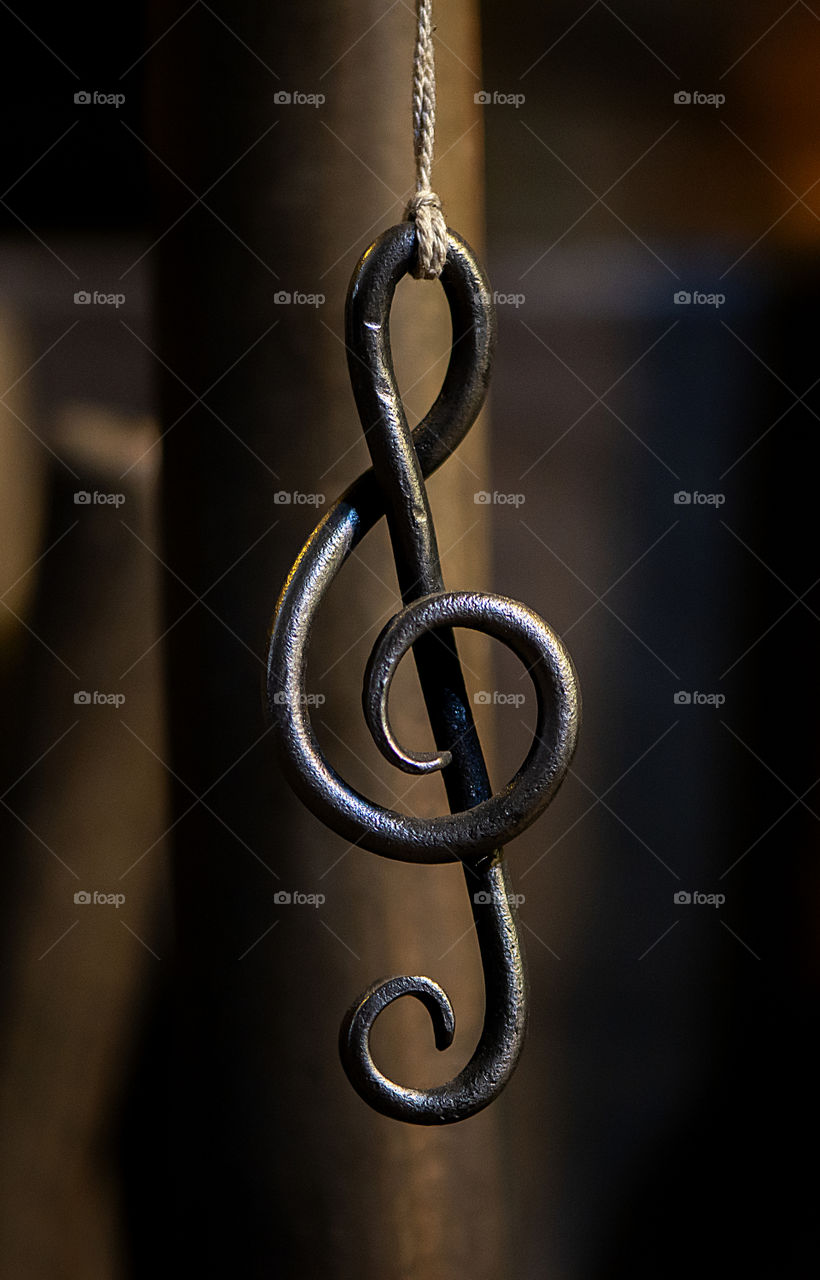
(480, 822)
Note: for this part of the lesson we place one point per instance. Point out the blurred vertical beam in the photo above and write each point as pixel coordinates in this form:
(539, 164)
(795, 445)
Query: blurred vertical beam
(78, 975)
(279, 1164)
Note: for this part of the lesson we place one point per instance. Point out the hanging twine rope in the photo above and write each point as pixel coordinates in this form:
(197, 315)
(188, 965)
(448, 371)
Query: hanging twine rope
(424, 208)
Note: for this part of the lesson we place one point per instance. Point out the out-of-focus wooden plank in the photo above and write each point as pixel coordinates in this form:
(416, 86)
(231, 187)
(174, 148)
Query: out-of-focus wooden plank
(307, 1178)
(79, 969)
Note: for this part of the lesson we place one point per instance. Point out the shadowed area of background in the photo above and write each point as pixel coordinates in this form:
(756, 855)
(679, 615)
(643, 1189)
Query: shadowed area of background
(643, 480)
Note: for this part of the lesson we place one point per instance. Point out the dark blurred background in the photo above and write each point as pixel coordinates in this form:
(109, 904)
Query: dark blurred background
(650, 222)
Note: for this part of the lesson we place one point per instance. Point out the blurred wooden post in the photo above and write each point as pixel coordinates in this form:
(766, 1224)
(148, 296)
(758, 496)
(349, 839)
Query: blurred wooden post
(281, 1164)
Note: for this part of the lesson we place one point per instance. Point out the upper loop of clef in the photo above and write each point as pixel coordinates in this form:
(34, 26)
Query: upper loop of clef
(480, 821)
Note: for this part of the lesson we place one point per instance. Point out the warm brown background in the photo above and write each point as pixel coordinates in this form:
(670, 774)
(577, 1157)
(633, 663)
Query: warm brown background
(169, 1068)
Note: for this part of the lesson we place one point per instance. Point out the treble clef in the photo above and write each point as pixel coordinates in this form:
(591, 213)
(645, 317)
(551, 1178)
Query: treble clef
(480, 821)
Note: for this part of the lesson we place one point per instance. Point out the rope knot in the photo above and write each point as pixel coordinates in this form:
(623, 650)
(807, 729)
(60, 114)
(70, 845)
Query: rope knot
(424, 208)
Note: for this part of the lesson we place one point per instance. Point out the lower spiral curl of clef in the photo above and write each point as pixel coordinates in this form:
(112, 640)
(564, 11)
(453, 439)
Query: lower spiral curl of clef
(480, 821)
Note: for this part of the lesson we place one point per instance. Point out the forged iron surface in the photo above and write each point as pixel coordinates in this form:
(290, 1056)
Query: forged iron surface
(480, 822)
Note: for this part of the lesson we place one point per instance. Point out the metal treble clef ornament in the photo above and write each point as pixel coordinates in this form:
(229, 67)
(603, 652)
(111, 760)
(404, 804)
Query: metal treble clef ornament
(480, 822)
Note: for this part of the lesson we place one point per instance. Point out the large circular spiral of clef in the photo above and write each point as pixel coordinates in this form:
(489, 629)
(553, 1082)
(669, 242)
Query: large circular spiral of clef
(480, 820)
